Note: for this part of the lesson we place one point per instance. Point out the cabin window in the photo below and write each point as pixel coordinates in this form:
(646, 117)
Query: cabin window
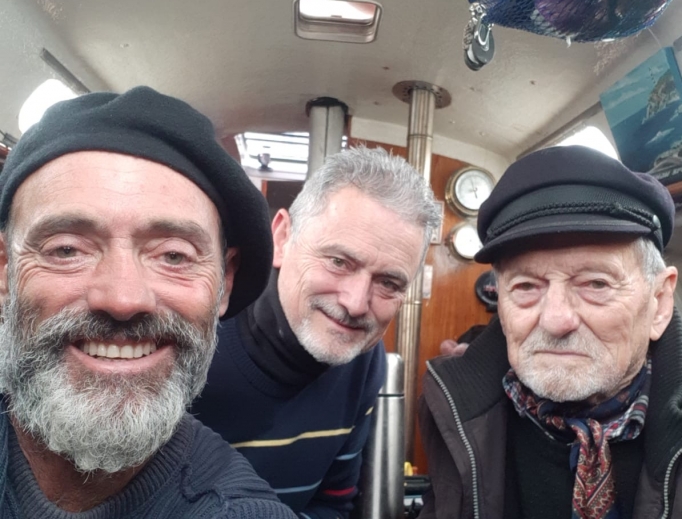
(275, 156)
(42, 98)
(592, 137)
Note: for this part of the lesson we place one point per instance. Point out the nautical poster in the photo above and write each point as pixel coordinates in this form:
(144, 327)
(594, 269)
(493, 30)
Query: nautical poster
(644, 110)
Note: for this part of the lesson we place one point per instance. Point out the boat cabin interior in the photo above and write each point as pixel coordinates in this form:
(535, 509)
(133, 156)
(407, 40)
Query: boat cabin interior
(261, 71)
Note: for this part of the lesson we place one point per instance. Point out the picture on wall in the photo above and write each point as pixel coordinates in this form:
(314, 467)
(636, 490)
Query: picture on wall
(644, 110)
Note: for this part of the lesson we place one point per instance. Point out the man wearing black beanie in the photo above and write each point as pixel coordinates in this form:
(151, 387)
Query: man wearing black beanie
(126, 233)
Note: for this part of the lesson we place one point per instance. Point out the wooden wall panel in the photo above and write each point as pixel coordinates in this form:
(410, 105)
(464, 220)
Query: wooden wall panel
(453, 307)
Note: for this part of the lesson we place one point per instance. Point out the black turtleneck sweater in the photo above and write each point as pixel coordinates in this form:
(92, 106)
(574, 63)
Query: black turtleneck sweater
(302, 424)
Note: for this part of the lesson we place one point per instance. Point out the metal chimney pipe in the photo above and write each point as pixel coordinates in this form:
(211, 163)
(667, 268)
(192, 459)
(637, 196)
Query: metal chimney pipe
(383, 473)
(424, 98)
(327, 123)
(420, 130)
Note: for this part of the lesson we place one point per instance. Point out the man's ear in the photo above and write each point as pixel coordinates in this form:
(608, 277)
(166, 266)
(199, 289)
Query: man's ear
(4, 266)
(281, 232)
(232, 258)
(665, 302)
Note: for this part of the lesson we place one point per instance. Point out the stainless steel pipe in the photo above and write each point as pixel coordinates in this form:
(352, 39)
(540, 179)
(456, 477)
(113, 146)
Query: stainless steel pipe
(383, 479)
(327, 123)
(408, 325)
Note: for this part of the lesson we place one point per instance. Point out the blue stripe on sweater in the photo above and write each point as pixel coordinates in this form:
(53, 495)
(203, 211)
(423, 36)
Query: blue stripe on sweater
(350, 456)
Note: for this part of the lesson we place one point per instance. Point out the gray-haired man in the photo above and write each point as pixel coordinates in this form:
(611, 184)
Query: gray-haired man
(298, 372)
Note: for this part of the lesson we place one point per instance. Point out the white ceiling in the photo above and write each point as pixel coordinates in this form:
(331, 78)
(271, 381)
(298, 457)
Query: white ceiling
(241, 64)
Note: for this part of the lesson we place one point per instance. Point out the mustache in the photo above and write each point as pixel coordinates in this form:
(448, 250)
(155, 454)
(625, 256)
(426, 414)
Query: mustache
(69, 326)
(338, 313)
(541, 340)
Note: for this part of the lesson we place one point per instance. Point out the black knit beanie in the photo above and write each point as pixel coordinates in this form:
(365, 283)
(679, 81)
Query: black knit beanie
(144, 123)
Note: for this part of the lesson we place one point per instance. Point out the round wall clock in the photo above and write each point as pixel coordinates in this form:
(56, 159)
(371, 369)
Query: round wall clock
(467, 189)
(463, 241)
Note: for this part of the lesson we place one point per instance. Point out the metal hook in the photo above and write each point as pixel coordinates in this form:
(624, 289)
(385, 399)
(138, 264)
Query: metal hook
(480, 28)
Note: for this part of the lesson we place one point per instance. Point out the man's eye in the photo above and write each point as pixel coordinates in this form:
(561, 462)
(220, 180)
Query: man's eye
(524, 287)
(390, 285)
(598, 284)
(174, 258)
(338, 262)
(64, 252)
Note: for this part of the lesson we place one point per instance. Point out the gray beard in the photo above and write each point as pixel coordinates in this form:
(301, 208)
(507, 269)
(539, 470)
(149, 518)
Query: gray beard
(334, 352)
(99, 421)
(337, 350)
(560, 384)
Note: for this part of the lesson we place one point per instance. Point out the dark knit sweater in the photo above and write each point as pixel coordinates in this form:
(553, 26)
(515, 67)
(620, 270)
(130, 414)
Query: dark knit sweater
(195, 475)
(300, 423)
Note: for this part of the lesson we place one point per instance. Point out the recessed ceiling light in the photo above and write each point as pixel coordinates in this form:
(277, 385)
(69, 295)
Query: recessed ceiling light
(337, 20)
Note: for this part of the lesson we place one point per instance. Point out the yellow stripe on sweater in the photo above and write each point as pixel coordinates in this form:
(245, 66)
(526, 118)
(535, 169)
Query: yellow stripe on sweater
(289, 441)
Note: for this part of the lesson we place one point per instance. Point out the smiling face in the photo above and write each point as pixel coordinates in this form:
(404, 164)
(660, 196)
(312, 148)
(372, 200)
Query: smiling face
(112, 288)
(344, 275)
(578, 318)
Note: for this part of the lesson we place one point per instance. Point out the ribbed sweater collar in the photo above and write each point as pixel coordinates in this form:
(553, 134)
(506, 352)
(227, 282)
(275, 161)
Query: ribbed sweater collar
(271, 344)
(161, 469)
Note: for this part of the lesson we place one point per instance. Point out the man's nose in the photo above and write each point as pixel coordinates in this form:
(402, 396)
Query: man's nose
(120, 287)
(355, 294)
(559, 316)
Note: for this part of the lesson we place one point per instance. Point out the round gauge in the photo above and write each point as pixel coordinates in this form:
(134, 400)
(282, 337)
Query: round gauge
(467, 189)
(463, 241)
(486, 290)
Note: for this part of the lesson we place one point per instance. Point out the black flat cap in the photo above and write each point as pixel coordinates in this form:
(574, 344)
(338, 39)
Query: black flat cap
(144, 123)
(572, 189)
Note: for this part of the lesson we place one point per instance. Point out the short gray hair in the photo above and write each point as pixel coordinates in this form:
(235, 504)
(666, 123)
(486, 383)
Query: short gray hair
(384, 177)
(650, 258)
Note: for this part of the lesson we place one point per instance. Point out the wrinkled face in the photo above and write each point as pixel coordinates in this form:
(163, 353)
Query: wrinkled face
(112, 289)
(578, 318)
(345, 275)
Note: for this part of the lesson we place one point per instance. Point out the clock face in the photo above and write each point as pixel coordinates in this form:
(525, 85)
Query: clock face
(468, 188)
(463, 240)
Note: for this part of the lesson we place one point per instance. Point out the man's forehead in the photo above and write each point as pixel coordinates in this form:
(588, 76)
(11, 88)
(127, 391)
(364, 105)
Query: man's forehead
(85, 168)
(350, 202)
(95, 181)
(567, 245)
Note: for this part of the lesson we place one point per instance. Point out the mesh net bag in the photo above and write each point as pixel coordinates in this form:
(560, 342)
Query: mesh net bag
(575, 20)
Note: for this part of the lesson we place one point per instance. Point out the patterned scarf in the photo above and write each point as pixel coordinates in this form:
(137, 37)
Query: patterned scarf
(590, 429)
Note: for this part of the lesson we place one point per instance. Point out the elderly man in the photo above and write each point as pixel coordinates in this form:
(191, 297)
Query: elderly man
(126, 230)
(569, 405)
(297, 374)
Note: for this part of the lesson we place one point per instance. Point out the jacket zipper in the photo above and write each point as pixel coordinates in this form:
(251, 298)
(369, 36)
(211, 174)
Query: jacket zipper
(666, 484)
(460, 430)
